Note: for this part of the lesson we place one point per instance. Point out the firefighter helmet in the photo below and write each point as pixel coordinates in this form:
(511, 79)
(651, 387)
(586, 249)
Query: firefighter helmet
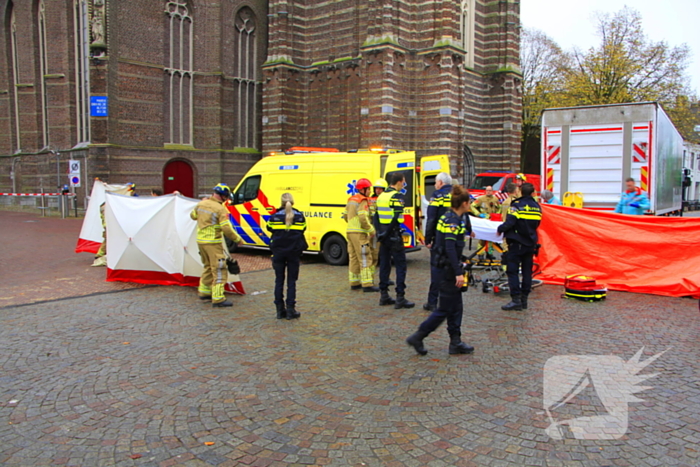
(222, 190)
(380, 183)
(362, 183)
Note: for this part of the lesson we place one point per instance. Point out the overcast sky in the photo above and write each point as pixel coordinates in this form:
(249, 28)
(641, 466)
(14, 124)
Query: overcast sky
(573, 23)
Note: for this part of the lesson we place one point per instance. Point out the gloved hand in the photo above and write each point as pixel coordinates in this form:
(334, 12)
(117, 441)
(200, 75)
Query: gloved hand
(634, 205)
(482, 215)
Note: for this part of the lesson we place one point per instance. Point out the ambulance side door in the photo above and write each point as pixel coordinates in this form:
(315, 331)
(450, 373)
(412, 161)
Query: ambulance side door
(249, 211)
(405, 163)
(430, 167)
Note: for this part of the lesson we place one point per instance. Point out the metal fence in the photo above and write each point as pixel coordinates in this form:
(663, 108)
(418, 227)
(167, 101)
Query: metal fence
(63, 204)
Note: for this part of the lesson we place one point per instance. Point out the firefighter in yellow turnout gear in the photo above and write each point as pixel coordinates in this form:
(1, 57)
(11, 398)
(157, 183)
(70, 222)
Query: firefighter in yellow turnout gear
(360, 234)
(484, 206)
(212, 220)
(378, 188)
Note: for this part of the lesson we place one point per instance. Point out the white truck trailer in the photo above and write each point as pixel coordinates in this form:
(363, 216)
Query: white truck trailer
(592, 150)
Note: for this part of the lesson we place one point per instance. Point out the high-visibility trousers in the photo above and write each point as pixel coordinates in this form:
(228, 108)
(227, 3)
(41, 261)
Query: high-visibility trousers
(374, 249)
(215, 273)
(360, 257)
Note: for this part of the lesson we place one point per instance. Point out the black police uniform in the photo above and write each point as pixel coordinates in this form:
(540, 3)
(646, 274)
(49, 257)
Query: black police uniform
(389, 218)
(520, 230)
(448, 246)
(287, 244)
(439, 205)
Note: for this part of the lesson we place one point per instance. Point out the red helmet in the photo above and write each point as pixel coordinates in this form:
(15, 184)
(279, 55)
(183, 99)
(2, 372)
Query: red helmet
(362, 183)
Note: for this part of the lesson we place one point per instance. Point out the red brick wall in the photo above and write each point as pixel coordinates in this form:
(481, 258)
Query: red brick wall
(129, 145)
(347, 74)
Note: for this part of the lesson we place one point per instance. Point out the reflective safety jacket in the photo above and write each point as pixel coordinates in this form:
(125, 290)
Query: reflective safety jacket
(357, 215)
(505, 206)
(522, 222)
(440, 203)
(212, 219)
(486, 204)
(372, 200)
(449, 241)
(390, 208)
(287, 240)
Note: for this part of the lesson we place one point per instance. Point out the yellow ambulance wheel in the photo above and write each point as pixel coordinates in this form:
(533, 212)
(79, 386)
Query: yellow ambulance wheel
(335, 250)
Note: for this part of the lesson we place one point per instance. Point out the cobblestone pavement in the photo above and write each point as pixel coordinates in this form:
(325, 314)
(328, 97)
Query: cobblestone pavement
(38, 261)
(154, 377)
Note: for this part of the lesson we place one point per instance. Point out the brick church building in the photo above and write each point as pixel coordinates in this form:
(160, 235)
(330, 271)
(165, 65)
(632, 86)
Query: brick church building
(183, 94)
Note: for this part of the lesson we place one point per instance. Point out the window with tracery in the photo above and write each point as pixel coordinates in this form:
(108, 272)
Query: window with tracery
(82, 69)
(43, 67)
(179, 73)
(466, 29)
(14, 58)
(246, 83)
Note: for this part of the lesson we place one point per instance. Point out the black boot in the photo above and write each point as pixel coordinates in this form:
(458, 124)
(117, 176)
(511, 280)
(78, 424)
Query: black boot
(401, 302)
(370, 289)
(458, 347)
(292, 313)
(429, 307)
(281, 311)
(355, 287)
(222, 304)
(415, 340)
(386, 299)
(523, 300)
(515, 304)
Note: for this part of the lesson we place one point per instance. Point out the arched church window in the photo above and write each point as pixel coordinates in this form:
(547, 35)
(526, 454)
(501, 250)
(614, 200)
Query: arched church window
(179, 73)
(246, 84)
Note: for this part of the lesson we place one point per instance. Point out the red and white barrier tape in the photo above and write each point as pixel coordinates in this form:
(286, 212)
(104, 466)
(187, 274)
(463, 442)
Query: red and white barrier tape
(36, 194)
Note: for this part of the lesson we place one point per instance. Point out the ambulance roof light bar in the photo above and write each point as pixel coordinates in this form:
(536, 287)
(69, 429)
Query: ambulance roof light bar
(377, 150)
(305, 149)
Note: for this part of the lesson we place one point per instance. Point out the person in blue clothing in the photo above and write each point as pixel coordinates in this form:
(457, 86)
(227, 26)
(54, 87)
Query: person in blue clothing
(549, 198)
(287, 243)
(633, 200)
(448, 244)
(439, 205)
(520, 232)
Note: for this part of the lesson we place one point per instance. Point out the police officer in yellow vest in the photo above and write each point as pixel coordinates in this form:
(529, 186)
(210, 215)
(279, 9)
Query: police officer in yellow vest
(513, 192)
(448, 244)
(360, 234)
(439, 205)
(520, 231)
(212, 219)
(389, 219)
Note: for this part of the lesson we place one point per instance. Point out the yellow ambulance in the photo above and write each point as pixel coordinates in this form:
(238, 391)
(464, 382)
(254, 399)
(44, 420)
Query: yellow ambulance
(321, 182)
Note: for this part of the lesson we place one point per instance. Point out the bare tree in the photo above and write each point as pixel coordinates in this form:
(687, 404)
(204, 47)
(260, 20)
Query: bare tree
(543, 64)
